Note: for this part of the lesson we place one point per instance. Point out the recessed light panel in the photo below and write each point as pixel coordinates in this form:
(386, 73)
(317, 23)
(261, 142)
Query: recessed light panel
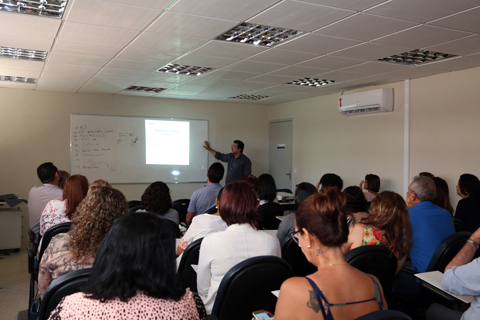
(417, 56)
(145, 89)
(184, 69)
(311, 82)
(50, 8)
(18, 79)
(249, 97)
(257, 34)
(24, 54)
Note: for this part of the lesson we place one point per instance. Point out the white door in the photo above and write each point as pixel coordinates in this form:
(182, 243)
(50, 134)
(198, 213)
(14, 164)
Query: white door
(280, 153)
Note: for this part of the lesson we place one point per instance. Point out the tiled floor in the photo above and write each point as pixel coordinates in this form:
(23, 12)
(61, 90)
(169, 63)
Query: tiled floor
(14, 284)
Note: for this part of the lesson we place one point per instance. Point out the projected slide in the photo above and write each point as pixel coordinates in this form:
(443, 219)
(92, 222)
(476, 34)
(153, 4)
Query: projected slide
(167, 142)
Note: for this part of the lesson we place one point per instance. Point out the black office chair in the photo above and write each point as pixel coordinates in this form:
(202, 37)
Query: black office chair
(188, 276)
(212, 210)
(284, 190)
(378, 261)
(67, 284)
(385, 315)
(181, 205)
(174, 226)
(293, 254)
(268, 215)
(458, 225)
(248, 287)
(447, 250)
(134, 203)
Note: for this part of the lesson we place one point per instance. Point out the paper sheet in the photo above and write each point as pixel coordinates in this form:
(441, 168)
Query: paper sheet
(435, 279)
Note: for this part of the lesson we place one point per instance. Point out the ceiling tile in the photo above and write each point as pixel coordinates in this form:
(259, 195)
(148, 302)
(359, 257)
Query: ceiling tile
(228, 50)
(17, 85)
(146, 55)
(101, 86)
(364, 27)
(298, 72)
(465, 21)
(140, 66)
(75, 31)
(165, 78)
(280, 56)
(124, 74)
(136, 93)
(318, 44)
(330, 62)
(60, 82)
(72, 70)
(112, 14)
(231, 75)
(348, 4)
(223, 9)
(158, 4)
(206, 83)
(29, 25)
(76, 59)
(254, 67)
(300, 16)
(267, 78)
(204, 61)
(372, 68)
(370, 51)
(463, 46)
(187, 25)
(19, 73)
(455, 64)
(64, 45)
(169, 44)
(9, 63)
(339, 76)
(26, 42)
(421, 37)
(421, 11)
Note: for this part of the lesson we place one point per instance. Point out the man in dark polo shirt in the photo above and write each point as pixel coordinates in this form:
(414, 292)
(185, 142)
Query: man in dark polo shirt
(238, 163)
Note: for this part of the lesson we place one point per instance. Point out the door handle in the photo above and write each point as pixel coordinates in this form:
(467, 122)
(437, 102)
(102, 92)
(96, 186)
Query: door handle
(289, 174)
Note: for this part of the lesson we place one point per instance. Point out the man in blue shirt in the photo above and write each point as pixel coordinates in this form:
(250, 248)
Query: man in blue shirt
(238, 163)
(203, 199)
(430, 223)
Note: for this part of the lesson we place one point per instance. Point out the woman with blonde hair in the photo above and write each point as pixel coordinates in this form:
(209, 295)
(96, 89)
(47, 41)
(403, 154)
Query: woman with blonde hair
(77, 248)
(388, 224)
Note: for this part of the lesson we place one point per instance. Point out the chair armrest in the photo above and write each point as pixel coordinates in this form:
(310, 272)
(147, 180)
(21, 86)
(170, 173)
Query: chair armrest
(441, 294)
(32, 252)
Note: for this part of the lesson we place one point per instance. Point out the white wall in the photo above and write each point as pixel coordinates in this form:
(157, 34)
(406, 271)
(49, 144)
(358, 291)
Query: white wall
(36, 129)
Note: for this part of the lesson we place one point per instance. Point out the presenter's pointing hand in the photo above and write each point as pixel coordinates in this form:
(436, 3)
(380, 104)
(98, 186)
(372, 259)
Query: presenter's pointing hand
(207, 145)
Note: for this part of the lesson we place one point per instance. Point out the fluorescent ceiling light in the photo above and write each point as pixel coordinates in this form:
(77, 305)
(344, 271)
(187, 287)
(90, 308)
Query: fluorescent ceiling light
(24, 54)
(184, 69)
(257, 34)
(417, 56)
(45, 8)
(18, 79)
(249, 97)
(311, 82)
(145, 89)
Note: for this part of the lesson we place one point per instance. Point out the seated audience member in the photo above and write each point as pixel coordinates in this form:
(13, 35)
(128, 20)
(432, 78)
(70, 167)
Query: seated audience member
(157, 199)
(329, 180)
(337, 290)
(38, 197)
(201, 226)
(267, 189)
(203, 199)
(372, 185)
(97, 184)
(134, 277)
(287, 226)
(387, 224)
(63, 177)
(220, 251)
(468, 209)
(252, 181)
(59, 211)
(430, 223)
(357, 205)
(461, 279)
(442, 197)
(77, 248)
(426, 174)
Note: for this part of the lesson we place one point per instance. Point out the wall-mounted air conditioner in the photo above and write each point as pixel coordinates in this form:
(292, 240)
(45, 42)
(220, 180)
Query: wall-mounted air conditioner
(379, 100)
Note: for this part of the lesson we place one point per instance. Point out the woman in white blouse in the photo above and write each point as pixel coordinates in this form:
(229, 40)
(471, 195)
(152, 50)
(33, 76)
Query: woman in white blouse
(59, 211)
(221, 251)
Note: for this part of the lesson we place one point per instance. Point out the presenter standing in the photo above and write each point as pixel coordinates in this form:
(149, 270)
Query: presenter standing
(238, 163)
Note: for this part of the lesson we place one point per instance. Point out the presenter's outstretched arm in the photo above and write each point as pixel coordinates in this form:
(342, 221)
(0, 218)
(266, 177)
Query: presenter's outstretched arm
(207, 146)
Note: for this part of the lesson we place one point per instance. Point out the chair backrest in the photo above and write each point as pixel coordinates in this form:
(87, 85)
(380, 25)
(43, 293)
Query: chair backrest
(185, 271)
(284, 190)
(181, 205)
(447, 250)
(293, 254)
(50, 233)
(134, 203)
(458, 225)
(376, 260)
(268, 213)
(212, 210)
(67, 284)
(135, 208)
(248, 287)
(385, 315)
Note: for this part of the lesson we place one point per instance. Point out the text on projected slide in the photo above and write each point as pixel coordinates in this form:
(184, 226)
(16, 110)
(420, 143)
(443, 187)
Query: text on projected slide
(167, 142)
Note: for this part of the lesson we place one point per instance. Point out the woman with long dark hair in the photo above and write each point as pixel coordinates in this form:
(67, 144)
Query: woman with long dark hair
(372, 185)
(442, 196)
(134, 276)
(468, 209)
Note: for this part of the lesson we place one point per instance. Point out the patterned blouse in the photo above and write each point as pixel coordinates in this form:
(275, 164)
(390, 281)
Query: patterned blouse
(371, 236)
(53, 214)
(58, 260)
(141, 306)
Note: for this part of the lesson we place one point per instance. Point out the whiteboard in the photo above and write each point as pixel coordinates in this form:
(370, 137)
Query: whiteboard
(114, 148)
